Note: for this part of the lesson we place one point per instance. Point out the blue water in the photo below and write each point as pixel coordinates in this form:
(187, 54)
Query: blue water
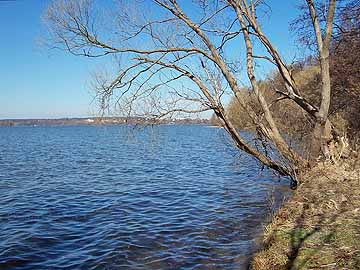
(114, 197)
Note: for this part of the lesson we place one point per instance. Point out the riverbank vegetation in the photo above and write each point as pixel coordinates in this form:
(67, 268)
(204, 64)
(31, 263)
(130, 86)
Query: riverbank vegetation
(318, 228)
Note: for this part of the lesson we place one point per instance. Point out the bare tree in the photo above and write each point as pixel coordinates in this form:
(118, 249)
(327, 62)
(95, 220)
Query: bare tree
(322, 131)
(174, 58)
(323, 128)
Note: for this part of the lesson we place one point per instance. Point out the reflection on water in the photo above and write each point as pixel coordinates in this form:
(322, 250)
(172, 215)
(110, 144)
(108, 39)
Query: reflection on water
(171, 197)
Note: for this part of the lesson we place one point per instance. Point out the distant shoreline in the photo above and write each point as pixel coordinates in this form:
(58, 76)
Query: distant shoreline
(99, 121)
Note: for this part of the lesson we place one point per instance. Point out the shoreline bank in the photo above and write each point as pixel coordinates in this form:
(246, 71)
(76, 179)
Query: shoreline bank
(319, 226)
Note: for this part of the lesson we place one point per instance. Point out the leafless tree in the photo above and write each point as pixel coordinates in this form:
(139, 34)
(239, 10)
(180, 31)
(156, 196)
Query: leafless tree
(175, 58)
(322, 131)
(322, 27)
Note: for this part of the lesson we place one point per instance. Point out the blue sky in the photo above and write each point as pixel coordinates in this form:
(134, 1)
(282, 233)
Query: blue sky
(36, 82)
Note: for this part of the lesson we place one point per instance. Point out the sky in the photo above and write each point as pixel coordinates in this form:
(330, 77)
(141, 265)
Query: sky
(38, 82)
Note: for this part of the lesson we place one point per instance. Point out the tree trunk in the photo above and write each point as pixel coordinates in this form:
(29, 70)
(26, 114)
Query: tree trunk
(320, 140)
(322, 129)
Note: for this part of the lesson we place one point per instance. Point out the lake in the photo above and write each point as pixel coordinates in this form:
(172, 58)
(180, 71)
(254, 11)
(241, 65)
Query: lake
(115, 197)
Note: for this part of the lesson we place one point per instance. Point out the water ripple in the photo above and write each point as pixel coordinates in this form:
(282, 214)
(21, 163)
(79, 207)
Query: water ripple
(173, 197)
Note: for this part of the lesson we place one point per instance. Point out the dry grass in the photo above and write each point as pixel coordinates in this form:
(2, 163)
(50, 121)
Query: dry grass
(319, 227)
